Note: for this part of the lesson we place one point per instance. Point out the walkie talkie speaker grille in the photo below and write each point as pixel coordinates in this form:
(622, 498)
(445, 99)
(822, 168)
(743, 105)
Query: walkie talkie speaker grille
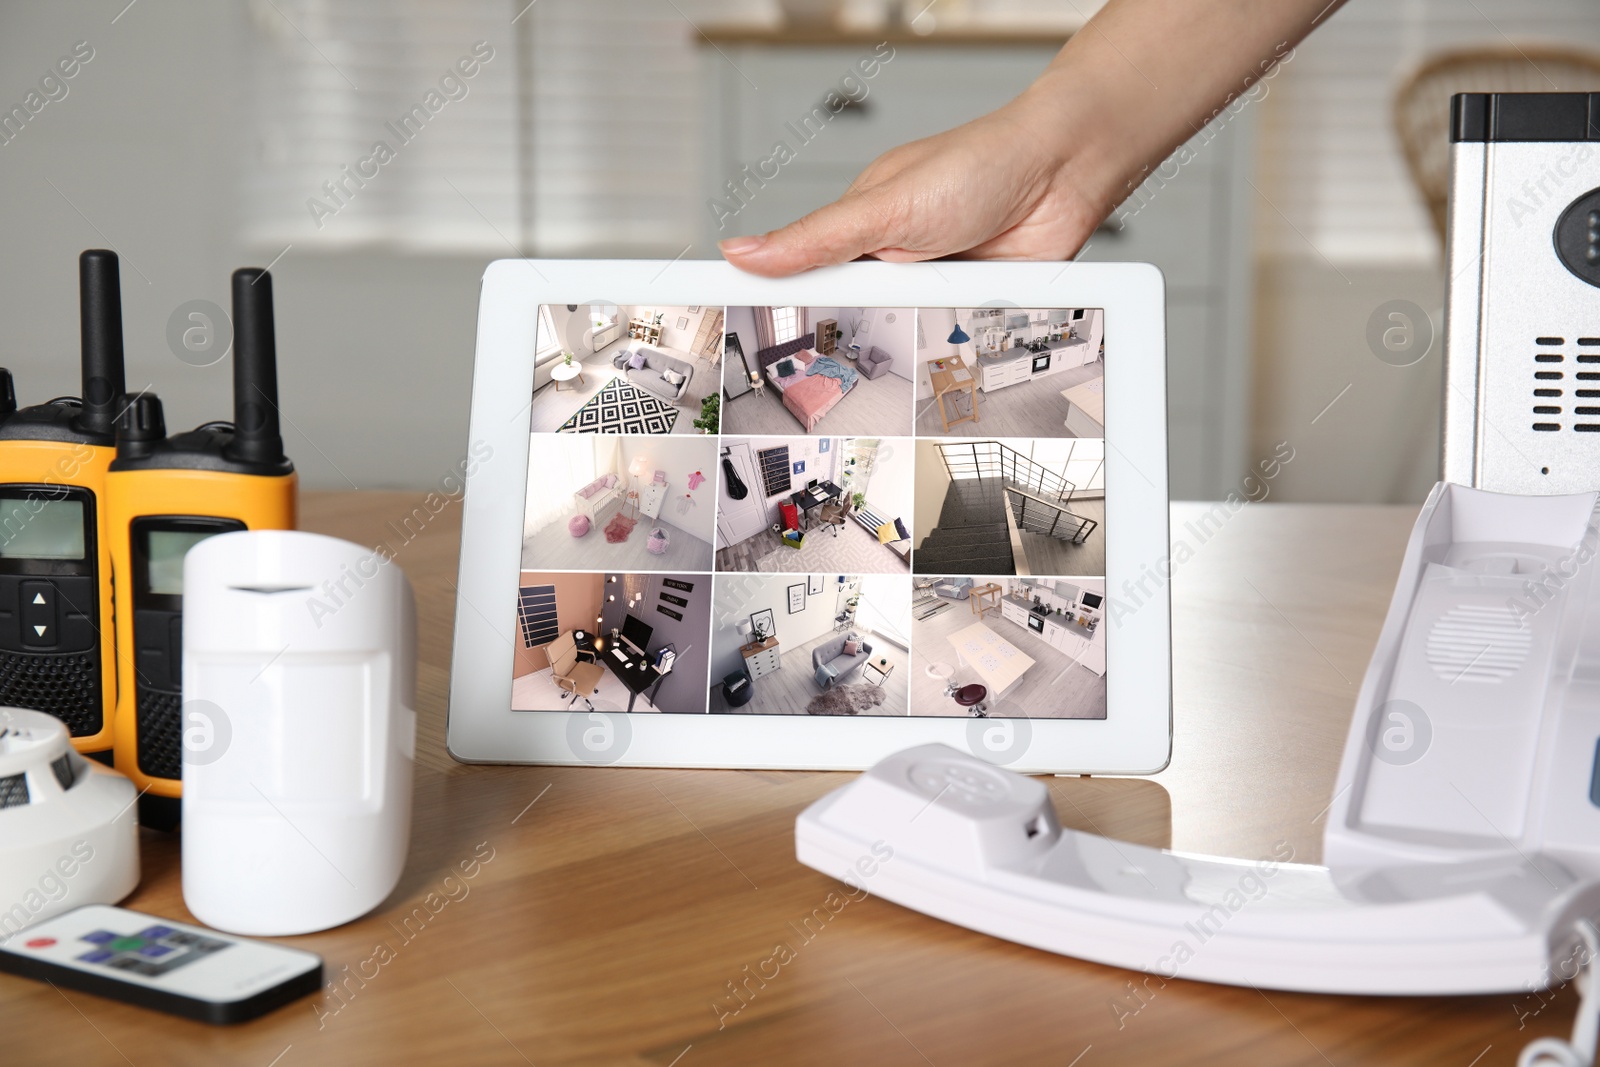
(69, 832)
(1522, 308)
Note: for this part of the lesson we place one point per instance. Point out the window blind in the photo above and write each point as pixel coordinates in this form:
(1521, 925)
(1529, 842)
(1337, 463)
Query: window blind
(388, 123)
(536, 611)
(581, 129)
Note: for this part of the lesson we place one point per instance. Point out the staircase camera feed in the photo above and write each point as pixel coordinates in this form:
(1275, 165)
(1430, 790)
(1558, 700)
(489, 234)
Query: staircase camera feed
(815, 511)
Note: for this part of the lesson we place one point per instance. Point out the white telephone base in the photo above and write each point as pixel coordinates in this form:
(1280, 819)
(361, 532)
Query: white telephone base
(1467, 864)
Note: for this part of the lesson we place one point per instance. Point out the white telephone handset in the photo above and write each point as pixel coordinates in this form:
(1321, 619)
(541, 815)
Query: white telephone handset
(1462, 845)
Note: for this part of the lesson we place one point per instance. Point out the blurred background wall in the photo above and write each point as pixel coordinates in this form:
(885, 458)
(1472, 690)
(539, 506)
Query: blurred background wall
(204, 136)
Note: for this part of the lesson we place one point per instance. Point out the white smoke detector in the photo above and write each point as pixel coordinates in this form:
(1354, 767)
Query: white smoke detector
(69, 831)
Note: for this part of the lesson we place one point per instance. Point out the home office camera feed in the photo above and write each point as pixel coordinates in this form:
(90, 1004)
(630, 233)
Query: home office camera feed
(815, 511)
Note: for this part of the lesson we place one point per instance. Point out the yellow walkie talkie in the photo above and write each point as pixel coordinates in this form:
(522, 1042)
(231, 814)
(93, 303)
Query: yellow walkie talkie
(56, 638)
(167, 494)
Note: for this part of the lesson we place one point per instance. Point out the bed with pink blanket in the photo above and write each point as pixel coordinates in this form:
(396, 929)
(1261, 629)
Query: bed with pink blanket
(814, 385)
(812, 397)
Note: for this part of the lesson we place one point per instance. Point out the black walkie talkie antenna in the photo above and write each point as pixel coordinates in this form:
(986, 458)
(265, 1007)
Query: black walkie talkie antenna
(100, 327)
(255, 370)
(8, 393)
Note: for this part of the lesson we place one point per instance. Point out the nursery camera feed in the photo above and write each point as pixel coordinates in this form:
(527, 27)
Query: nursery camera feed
(815, 511)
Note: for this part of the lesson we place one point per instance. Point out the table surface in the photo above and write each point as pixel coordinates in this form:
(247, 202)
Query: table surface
(1006, 671)
(1090, 398)
(614, 913)
(945, 380)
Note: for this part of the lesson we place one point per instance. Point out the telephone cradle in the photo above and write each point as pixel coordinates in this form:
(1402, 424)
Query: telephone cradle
(1462, 844)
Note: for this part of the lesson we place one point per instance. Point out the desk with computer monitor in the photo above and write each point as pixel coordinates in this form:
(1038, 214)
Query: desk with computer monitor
(627, 659)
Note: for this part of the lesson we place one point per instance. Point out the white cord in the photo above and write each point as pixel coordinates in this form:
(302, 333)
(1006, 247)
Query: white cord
(1579, 1052)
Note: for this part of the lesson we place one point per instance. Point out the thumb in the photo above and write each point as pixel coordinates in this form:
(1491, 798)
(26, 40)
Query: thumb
(839, 232)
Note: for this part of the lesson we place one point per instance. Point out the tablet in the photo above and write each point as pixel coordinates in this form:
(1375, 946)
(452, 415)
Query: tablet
(716, 520)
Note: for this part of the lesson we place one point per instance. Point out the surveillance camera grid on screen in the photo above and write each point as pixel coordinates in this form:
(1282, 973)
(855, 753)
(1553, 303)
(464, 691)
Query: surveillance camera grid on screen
(815, 511)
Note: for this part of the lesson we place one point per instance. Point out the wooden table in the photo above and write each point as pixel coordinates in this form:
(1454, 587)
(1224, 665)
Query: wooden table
(873, 674)
(622, 909)
(984, 598)
(944, 381)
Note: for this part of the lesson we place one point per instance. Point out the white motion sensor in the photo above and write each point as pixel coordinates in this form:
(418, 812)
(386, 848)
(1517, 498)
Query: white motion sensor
(69, 831)
(299, 686)
(1463, 843)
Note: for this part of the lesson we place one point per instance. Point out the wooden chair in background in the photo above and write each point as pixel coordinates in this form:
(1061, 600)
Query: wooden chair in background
(1422, 103)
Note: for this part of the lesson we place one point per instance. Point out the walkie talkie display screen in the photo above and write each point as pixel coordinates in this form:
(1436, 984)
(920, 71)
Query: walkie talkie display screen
(34, 528)
(164, 559)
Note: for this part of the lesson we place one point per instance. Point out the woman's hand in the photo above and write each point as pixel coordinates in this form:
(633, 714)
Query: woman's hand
(970, 191)
(1033, 180)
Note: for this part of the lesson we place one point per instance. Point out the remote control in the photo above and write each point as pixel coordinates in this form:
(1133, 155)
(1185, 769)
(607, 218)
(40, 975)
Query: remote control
(156, 963)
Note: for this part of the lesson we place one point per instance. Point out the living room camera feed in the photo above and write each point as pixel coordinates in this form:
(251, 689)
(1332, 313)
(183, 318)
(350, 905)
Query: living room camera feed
(811, 644)
(627, 370)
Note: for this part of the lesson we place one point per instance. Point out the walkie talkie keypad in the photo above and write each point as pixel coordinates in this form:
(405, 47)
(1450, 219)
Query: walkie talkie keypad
(54, 614)
(49, 604)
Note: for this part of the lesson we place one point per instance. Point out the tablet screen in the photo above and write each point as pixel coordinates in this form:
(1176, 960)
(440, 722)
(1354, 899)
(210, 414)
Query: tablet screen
(815, 511)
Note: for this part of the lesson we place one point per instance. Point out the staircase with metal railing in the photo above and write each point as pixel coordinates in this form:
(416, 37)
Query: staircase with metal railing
(986, 480)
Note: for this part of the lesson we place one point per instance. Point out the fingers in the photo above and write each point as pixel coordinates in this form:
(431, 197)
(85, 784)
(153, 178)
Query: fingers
(844, 230)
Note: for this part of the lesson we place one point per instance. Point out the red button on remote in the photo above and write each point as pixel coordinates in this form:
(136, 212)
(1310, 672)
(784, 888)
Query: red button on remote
(41, 942)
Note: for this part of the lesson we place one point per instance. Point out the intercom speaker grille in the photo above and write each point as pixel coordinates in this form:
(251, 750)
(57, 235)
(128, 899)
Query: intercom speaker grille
(1478, 643)
(1566, 388)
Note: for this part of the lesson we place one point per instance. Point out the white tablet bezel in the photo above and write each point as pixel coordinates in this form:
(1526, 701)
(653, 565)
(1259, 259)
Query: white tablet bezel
(1135, 737)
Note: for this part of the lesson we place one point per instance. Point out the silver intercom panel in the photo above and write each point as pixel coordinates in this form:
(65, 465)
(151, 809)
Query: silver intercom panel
(1522, 306)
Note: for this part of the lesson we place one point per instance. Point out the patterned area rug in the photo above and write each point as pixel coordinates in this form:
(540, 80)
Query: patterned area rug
(845, 700)
(622, 407)
(618, 529)
(851, 551)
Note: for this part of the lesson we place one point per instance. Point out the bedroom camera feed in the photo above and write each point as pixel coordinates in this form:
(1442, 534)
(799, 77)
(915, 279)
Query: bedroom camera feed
(815, 504)
(819, 370)
(718, 518)
(611, 642)
(606, 501)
